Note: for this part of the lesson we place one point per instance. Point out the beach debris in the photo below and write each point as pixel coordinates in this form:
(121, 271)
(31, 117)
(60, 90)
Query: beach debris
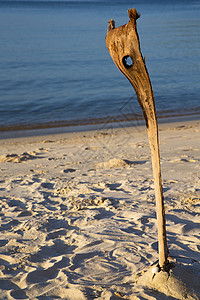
(124, 47)
(155, 270)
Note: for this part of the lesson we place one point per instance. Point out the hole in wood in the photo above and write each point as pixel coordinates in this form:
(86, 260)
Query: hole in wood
(127, 61)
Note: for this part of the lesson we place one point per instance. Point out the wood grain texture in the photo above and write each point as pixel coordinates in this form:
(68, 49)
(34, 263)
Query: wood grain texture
(124, 47)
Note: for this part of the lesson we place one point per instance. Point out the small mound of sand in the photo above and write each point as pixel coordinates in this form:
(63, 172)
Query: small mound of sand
(17, 158)
(88, 203)
(114, 163)
(181, 282)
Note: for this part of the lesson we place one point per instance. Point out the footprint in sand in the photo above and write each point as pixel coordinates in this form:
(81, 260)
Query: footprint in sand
(56, 234)
(181, 160)
(132, 230)
(25, 213)
(7, 262)
(47, 185)
(53, 224)
(57, 249)
(3, 243)
(68, 170)
(6, 284)
(42, 275)
(17, 203)
(113, 186)
(18, 294)
(9, 225)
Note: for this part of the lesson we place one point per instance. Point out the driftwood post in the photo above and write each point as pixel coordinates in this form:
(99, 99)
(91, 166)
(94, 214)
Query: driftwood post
(124, 47)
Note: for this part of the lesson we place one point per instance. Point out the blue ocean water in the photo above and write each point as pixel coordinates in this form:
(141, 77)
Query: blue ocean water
(55, 67)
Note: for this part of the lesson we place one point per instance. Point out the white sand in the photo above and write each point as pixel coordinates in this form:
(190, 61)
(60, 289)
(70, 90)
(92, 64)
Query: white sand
(78, 215)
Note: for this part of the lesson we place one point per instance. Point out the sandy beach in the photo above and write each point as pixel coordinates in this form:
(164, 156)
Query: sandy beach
(78, 218)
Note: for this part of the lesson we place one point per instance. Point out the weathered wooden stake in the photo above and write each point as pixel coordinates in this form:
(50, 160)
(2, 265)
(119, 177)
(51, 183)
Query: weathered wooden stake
(124, 47)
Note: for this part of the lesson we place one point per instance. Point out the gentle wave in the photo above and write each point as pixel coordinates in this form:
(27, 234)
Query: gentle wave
(130, 119)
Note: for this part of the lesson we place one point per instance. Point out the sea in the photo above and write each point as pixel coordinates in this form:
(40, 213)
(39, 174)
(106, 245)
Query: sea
(56, 70)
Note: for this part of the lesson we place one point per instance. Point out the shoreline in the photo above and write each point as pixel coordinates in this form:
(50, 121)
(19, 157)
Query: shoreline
(56, 128)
